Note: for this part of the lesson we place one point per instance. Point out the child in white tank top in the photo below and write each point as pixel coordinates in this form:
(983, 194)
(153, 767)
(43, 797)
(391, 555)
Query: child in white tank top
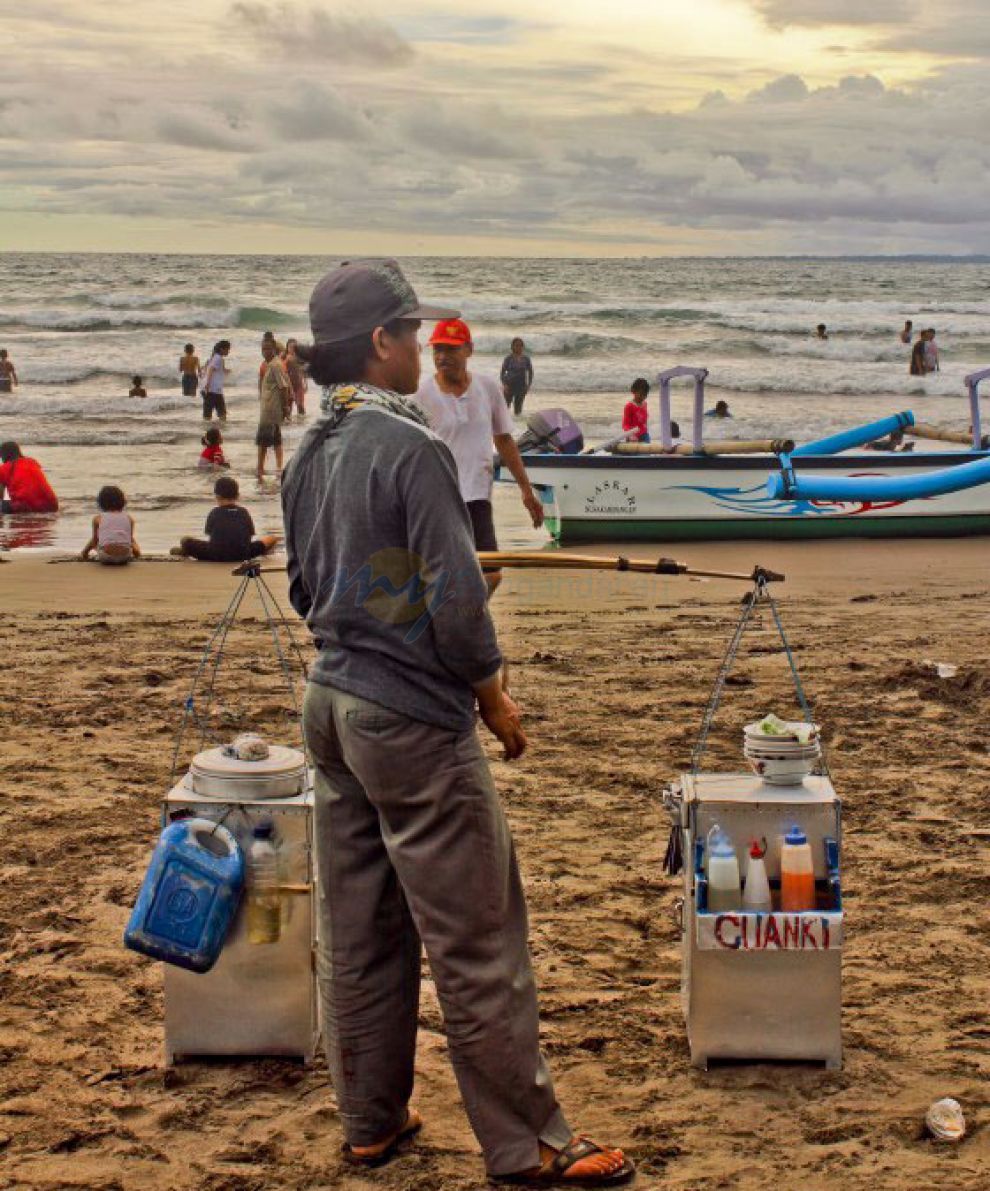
(113, 530)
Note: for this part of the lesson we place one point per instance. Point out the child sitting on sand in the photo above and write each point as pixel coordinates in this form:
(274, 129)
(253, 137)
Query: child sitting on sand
(137, 388)
(212, 455)
(229, 530)
(113, 530)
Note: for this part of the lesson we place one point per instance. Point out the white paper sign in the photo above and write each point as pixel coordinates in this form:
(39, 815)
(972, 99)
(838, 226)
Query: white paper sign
(769, 932)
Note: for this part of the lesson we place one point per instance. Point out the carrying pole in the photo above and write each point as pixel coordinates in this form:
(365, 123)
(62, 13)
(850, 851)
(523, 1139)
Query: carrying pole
(526, 560)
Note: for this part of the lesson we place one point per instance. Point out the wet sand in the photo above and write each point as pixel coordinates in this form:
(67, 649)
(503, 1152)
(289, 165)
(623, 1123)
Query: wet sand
(613, 672)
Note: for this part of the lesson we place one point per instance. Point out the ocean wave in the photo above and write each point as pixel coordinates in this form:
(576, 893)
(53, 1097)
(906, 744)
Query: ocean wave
(564, 343)
(41, 373)
(840, 350)
(82, 408)
(132, 301)
(130, 319)
(116, 436)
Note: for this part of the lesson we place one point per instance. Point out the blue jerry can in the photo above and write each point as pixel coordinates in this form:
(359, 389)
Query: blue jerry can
(189, 895)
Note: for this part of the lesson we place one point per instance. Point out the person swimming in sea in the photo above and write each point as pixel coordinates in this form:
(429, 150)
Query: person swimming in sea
(8, 373)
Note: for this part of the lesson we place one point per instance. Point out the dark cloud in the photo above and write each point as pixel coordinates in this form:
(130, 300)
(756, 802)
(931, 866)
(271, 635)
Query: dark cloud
(311, 32)
(316, 114)
(954, 28)
(198, 132)
(781, 14)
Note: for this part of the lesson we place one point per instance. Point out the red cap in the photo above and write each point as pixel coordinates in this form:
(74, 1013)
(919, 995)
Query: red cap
(453, 332)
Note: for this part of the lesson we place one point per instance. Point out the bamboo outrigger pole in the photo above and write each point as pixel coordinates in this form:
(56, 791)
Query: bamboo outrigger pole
(532, 560)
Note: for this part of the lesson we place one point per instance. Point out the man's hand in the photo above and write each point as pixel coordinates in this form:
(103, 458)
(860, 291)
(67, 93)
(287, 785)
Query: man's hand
(503, 719)
(534, 506)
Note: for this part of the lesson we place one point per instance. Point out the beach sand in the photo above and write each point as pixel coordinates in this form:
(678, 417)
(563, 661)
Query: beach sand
(613, 672)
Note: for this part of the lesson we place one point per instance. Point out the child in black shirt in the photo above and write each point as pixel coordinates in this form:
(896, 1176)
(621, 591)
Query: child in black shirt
(229, 530)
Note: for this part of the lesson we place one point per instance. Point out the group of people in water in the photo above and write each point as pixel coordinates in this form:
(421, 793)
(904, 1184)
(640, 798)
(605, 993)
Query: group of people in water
(480, 417)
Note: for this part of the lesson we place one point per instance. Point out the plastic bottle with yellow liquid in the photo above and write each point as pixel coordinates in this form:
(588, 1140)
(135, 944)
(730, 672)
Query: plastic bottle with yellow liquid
(264, 903)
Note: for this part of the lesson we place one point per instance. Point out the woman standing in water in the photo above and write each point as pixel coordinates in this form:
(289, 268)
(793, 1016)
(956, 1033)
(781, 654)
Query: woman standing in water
(516, 376)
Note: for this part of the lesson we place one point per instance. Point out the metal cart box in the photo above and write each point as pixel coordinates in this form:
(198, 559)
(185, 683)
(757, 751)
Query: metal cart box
(760, 986)
(257, 999)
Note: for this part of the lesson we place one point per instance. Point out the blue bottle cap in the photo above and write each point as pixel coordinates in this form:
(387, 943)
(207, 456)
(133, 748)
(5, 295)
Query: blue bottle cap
(795, 836)
(721, 845)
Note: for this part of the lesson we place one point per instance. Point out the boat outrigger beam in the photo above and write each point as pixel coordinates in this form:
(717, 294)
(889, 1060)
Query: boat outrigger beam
(786, 485)
(858, 436)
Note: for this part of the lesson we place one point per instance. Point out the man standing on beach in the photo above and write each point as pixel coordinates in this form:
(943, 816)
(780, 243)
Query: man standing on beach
(412, 845)
(469, 413)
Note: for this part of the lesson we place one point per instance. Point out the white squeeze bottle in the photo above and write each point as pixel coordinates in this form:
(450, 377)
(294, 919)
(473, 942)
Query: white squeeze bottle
(756, 891)
(723, 873)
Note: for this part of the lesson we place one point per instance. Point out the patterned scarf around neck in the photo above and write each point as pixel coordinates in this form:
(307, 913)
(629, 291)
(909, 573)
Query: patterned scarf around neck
(339, 399)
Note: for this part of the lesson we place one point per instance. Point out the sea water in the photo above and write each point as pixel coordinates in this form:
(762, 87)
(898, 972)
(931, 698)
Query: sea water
(79, 326)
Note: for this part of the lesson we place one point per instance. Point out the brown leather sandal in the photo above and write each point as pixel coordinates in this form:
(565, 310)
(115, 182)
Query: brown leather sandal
(414, 1122)
(553, 1172)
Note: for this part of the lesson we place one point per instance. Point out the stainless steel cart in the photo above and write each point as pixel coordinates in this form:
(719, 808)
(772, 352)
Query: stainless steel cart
(257, 999)
(760, 986)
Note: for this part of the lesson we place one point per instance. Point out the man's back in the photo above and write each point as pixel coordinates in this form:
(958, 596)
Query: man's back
(382, 565)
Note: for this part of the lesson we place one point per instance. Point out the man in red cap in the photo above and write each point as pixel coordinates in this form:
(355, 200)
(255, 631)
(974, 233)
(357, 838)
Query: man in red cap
(469, 413)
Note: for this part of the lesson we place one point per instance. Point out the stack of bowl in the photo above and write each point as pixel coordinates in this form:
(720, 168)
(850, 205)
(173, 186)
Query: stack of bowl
(784, 756)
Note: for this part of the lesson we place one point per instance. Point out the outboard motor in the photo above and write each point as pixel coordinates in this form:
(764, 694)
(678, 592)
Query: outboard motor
(550, 431)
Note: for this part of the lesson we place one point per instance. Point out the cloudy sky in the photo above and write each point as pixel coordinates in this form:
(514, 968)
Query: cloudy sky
(556, 127)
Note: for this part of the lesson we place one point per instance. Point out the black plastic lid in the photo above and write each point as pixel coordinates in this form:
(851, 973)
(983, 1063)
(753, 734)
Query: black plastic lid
(264, 830)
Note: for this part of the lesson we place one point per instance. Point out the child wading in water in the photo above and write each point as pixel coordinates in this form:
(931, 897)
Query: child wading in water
(212, 455)
(113, 530)
(189, 370)
(137, 388)
(229, 531)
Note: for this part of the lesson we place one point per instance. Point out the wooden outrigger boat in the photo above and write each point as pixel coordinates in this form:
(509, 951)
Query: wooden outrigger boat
(725, 490)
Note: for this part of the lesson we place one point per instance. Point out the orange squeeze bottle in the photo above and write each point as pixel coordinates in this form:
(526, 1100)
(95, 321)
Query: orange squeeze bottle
(797, 873)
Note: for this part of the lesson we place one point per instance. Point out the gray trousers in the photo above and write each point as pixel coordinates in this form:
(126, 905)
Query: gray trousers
(412, 846)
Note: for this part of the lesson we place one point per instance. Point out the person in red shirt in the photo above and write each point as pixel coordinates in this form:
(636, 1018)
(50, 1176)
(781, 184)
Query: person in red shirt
(212, 455)
(635, 414)
(24, 483)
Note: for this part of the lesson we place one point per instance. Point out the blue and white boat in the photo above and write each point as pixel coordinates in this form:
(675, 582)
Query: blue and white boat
(833, 487)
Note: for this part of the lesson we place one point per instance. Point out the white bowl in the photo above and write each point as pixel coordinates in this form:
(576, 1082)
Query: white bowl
(753, 731)
(782, 773)
(781, 746)
(774, 752)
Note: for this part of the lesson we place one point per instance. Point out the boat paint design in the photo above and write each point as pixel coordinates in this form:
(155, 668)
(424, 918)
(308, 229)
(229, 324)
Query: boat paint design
(670, 498)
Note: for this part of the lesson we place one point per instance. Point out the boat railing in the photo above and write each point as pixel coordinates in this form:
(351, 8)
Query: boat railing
(972, 383)
(698, 425)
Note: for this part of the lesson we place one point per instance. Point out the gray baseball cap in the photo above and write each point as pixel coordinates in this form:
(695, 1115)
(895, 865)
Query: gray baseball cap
(361, 295)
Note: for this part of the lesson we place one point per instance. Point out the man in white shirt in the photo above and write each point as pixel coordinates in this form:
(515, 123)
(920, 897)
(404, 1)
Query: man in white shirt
(469, 413)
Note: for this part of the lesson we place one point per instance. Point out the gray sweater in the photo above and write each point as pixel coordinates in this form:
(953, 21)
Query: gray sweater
(382, 565)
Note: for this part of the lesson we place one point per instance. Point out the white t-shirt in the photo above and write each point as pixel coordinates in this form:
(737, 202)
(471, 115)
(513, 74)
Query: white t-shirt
(214, 370)
(467, 424)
